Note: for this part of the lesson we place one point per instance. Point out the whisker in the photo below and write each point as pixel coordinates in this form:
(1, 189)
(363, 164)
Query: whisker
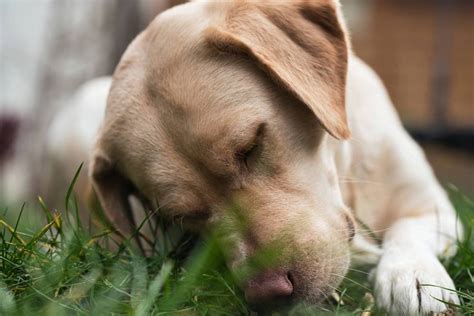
(360, 271)
(359, 181)
(352, 280)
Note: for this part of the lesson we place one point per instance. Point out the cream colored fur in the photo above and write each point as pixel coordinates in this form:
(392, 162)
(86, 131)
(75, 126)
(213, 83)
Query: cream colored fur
(178, 111)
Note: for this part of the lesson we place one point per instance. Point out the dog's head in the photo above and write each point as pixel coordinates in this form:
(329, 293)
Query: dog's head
(225, 114)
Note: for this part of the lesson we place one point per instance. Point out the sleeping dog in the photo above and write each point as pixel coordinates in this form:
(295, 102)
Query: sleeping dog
(262, 105)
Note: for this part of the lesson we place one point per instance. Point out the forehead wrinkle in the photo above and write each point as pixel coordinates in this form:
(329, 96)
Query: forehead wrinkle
(204, 84)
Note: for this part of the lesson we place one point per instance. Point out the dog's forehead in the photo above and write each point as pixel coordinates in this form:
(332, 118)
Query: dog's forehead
(185, 71)
(171, 68)
(176, 101)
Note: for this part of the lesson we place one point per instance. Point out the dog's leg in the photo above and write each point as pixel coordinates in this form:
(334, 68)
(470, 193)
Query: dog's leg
(409, 279)
(402, 201)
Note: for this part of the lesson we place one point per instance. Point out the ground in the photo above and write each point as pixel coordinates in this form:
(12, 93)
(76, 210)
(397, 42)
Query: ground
(60, 268)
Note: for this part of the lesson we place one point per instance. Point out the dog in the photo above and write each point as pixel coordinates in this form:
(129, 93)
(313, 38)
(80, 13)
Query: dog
(258, 112)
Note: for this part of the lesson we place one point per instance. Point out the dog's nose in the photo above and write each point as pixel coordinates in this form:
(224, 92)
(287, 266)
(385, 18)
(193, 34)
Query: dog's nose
(268, 286)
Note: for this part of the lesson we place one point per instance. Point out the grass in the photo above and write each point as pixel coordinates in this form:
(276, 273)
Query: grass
(61, 268)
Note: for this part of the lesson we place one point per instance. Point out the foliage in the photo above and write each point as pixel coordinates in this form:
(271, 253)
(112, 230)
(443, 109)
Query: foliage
(63, 268)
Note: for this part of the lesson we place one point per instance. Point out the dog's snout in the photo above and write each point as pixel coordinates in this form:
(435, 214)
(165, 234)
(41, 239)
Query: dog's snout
(267, 287)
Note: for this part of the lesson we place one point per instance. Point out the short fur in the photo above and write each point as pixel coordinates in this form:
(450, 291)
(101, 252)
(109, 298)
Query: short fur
(188, 102)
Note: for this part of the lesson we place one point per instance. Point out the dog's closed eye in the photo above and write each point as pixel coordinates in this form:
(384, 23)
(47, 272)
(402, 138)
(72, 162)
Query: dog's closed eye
(247, 156)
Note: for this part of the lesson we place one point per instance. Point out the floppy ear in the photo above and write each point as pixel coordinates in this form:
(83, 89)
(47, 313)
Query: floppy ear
(301, 45)
(113, 191)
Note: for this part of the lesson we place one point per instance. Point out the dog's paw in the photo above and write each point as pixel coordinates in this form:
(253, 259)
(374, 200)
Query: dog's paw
(401, 284)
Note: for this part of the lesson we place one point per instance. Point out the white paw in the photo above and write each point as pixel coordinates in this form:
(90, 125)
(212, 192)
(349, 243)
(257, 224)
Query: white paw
(400, 284)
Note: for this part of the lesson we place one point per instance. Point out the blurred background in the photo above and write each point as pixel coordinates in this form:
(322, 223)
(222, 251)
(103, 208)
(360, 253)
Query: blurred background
(422, 49)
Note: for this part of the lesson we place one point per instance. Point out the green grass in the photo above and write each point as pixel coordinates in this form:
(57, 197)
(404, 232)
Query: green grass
(50, 264)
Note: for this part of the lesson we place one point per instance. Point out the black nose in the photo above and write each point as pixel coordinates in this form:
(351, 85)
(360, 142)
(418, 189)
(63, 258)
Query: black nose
(268, 287)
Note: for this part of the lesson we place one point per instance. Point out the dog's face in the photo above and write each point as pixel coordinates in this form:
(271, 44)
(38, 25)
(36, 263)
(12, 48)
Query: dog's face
(219, 114)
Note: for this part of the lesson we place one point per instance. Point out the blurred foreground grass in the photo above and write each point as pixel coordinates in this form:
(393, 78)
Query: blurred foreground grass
(60, 268)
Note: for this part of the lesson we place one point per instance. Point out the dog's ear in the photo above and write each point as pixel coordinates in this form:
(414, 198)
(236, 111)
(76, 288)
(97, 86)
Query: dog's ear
(113, 191)
(300, 44)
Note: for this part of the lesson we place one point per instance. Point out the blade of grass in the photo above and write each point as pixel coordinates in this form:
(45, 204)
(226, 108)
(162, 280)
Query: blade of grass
(154, 289)
(71, 186)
